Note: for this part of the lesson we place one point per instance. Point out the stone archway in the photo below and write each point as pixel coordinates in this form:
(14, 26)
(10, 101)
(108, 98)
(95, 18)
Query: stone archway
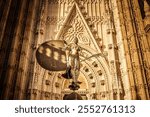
(94, 75)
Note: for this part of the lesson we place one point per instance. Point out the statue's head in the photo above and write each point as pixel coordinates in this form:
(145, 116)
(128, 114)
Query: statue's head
(75, 40)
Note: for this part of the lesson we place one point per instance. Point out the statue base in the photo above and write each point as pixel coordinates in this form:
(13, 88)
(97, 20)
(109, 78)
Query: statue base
(74, 86)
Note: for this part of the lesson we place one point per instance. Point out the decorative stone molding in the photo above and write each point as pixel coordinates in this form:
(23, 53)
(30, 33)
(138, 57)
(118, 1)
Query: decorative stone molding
(109, 31)
(147, 28)
(81, 6)
(80, 91)
(95, 64)
(116, 47)
(120, 91)
(90, 76)
(86, 69)
(51, 20)
(102, 82)
(34, 91)
(76, 29)
(102, 46)
(110, 46)
(54, 1)
(33, 46)
(57, 84)
(21, 70)
(47, 82)
(47, 94)
(94, 96)
(90, 24)
(50, 73)
(11, 67)
(59, 75)
(57, 96)
(93, 84)
(112, 62)
(99, 72)
(103, 94)
(29, 92)
(115, 91)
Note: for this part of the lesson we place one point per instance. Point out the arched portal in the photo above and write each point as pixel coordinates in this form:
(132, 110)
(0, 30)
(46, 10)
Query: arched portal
(94, 75)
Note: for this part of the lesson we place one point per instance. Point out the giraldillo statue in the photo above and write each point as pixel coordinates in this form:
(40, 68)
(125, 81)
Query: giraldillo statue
(45, 55)
(73, 62)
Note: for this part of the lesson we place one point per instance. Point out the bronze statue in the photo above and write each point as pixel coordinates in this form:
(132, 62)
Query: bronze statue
(45, 55)
(73, 61)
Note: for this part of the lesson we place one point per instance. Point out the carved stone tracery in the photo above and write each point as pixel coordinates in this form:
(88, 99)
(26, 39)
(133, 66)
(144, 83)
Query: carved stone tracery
(77, 30)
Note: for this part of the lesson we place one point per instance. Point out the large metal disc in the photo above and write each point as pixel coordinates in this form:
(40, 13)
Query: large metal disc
(51, 55)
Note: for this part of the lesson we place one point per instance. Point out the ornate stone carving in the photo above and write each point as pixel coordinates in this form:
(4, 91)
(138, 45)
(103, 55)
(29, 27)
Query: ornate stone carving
(36, 77)
(99, 72)
(57, 96)
(50, 73)
(93, 84)
(102, 82)
(47, 82)
(54, 1)
(110, 46)
(34, 91)
(95, 64)
(47, 94)
(86, 69)
(11, 67)
(115, 92)
(57, 84)
(76, 30)
(116, 47)
(90, 69)
(90, 76)
(51, 20)
(59, 75)
(94, 96)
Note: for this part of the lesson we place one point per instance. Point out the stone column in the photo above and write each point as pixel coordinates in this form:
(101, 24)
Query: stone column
(123, 17)
(147, 20)
(36, 84)
(112, 52)
(147, 13)
(11, 48)
(135, 69)
(4, 18)
(143, 43)
(26, 51)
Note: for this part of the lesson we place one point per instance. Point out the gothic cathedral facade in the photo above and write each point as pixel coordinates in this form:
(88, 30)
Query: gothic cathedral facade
(114, 36)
